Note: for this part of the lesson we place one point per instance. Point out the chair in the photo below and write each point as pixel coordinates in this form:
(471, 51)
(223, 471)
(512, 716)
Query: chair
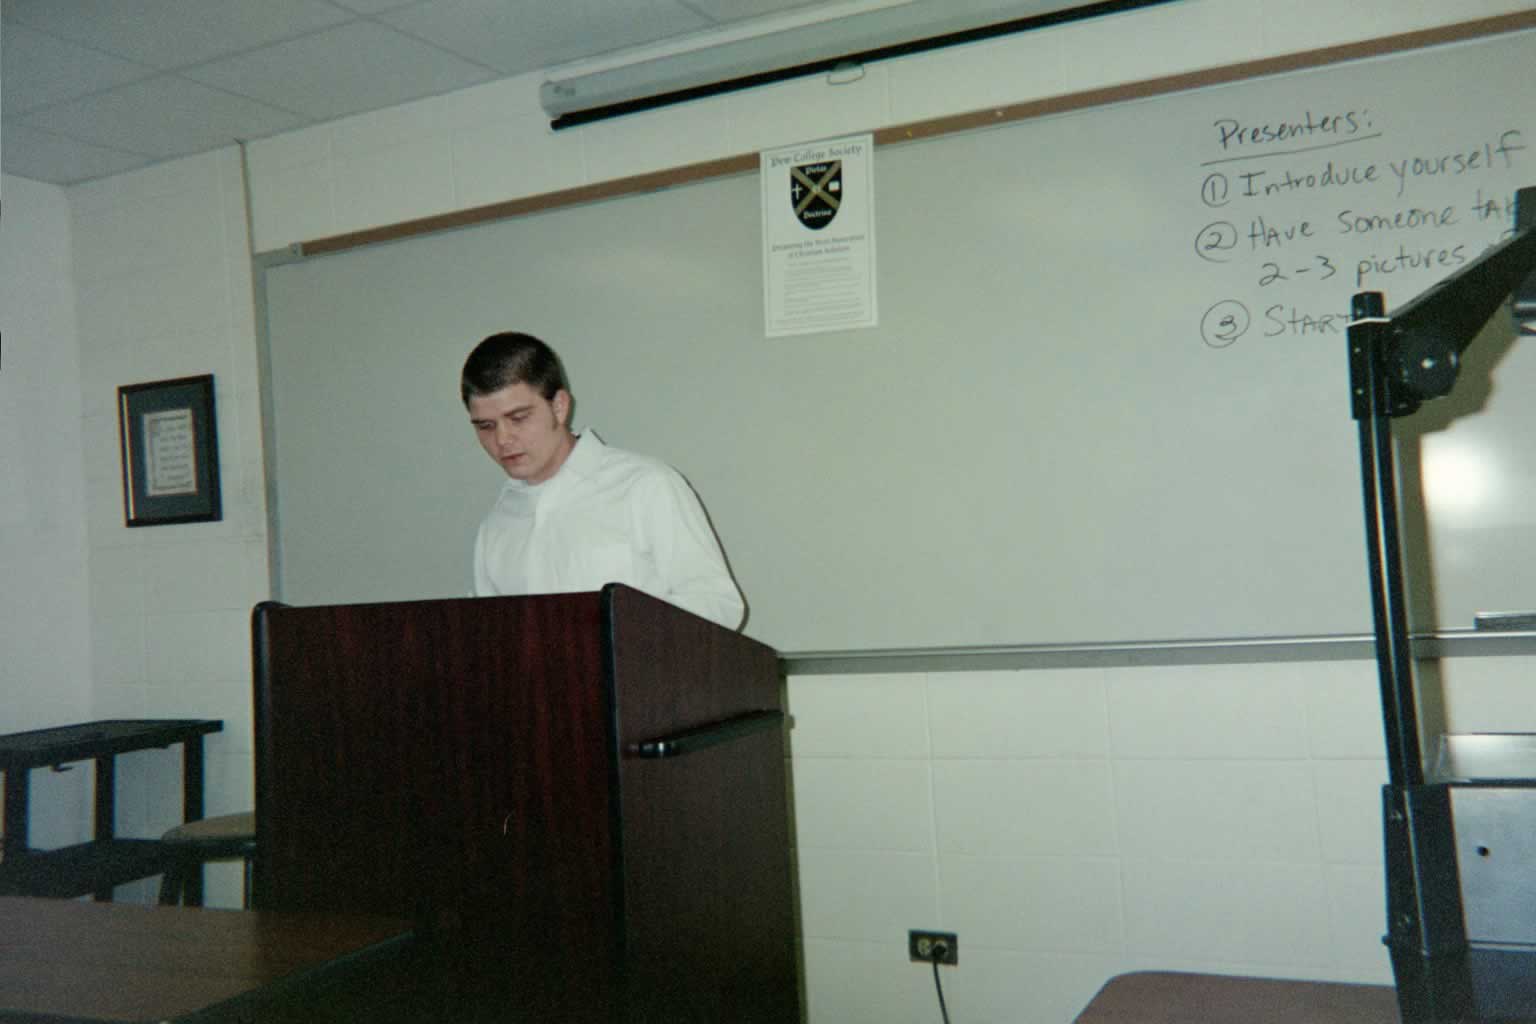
(224, 837)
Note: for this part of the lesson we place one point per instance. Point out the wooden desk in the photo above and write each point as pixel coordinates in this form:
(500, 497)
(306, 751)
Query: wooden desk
(1160, 997)
(73, 961)
(96, 866)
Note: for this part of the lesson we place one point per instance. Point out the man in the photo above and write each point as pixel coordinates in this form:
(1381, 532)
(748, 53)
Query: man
(575, 514)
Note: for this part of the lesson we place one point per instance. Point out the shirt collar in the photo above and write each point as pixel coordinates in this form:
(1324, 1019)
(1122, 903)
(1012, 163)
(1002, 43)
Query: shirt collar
(581, 462)
(584, 457)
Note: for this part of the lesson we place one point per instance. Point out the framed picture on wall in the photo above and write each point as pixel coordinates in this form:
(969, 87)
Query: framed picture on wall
(170, 452)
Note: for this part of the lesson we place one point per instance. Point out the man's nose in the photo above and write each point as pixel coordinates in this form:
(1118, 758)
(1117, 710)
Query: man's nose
(506, 435)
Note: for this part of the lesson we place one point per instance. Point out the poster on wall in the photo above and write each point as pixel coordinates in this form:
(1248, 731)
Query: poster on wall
(170, 452)
(819, 236)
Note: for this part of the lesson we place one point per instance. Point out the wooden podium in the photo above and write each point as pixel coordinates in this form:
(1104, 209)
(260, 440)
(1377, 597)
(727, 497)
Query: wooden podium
(580, 799)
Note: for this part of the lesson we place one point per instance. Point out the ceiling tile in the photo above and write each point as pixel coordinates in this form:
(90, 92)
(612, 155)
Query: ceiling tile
(357, 67)
(374, 6)
(86, 93)
(173, 33)
(42, 157)
(514, 36)
(39, 70)
(727, 11)
(162, 117)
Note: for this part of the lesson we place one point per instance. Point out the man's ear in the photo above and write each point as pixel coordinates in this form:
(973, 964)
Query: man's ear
(562, 404)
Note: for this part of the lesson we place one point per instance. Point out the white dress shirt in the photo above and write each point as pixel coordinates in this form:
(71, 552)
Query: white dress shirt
(606, 516)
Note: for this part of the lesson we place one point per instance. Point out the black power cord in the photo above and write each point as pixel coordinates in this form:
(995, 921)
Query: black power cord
(939, 988)
(940, 951)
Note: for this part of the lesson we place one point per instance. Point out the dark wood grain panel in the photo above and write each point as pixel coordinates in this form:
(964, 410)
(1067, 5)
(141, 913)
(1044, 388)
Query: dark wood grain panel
(709, 919)
(114, 962)
(1169, 997)
(448, 760)
(460, 762)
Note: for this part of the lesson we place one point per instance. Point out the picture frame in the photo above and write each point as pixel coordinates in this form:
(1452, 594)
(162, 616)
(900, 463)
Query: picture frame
(170, 452)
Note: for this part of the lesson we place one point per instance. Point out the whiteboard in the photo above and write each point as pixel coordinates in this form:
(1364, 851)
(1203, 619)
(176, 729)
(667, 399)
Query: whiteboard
(1107, 399)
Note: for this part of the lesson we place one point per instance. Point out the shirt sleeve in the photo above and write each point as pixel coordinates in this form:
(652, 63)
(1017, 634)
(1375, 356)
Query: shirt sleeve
(480, 579)
(687, 552)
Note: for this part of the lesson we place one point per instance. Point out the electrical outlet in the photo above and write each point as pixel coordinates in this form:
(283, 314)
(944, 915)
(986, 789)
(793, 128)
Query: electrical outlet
(933, 947)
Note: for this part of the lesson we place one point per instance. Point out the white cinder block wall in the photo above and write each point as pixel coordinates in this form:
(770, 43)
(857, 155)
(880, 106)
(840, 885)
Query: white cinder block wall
(45, 670)
(163, 286)
(1072, 824)
(1067, 824)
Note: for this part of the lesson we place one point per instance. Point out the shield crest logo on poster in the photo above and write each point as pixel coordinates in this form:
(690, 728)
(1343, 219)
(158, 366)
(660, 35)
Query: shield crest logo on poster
(816, 192)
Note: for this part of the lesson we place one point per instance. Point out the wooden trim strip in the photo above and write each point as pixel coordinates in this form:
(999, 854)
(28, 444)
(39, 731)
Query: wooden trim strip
(933, 128)
(1187, 81)
(654, 181)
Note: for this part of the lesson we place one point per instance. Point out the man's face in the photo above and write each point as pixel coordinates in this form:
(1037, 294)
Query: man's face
(522, 431)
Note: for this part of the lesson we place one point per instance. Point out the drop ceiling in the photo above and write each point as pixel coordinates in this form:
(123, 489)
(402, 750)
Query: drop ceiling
(91, 88)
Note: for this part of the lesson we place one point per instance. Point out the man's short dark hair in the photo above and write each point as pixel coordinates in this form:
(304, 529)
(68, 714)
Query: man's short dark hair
(511, 358)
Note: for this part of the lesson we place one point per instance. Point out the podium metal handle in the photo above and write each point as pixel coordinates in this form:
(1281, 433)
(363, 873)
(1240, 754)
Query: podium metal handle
(691, 741)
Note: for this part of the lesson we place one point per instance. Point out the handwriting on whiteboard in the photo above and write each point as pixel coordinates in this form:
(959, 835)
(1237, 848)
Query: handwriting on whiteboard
(1308, 209)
